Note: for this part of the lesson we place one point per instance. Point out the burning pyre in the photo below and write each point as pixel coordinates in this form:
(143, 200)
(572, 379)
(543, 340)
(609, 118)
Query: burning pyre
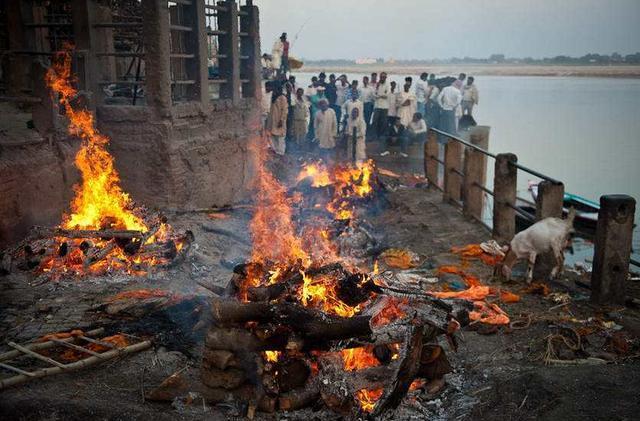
(105, 230)
(309, 317)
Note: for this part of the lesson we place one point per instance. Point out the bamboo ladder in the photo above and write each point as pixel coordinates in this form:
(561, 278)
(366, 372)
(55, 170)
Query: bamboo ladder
(56, 367)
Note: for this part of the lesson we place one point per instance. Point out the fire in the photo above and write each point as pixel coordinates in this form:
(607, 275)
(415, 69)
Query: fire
(272, 356)
(391, 312)
(359, 358)
(317, 172)
(368, 398)
(321, 293)
(99, 202)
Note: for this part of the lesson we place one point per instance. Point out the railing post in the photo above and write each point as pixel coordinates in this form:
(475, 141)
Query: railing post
(155, 19)
(612, 249)
(505, 188)
(549, 200)
(196, 43)
(83, 12)
(250, 48)
(475, 171)
(430, 164)
(452, 180)
(229, 49)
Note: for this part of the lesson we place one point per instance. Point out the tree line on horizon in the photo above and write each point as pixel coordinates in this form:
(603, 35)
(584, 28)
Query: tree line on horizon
(587, 59)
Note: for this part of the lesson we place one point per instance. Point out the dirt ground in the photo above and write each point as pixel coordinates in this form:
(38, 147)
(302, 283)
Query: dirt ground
(499, 373)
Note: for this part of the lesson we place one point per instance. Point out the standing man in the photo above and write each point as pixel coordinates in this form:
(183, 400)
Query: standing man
(422, 87)
(341, 94)
(393, 106)
(331, 92)
(459, 83)
(278, 120)
(326, 127)
(381, 107)
(350, 104)
(284, 67)
(469, 96)
(449, 99)
(355, 131)
(300, 120)
(367, 95)
(406, 103)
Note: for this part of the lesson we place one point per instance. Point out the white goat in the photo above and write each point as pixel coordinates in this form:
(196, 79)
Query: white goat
(548, 234)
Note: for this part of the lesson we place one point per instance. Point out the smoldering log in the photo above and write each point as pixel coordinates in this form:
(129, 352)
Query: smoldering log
(271, 292)
(311, 323)
(236, 339)
(231, 378)
(43, 232)
(99, 254)
(291, 374)
(219, 359)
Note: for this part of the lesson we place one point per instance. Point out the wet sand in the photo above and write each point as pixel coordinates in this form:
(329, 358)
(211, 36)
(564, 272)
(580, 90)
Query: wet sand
(629, 71)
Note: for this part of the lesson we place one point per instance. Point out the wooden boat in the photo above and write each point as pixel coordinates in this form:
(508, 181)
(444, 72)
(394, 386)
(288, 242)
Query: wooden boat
(586, 211)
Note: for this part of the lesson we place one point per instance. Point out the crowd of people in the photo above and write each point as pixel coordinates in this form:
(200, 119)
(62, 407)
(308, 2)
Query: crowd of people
(332, 111)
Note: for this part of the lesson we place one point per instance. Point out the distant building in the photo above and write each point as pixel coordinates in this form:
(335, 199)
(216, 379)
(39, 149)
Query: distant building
(365, 61)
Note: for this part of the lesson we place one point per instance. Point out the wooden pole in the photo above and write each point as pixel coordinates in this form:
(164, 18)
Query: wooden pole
(475, 171)
(549, 200)
(430, 164)
(505, 185)
(452, 163)
(229, 49)
(612, 249)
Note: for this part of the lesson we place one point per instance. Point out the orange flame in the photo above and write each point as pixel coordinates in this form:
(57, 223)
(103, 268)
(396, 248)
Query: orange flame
(99, 202)
(368, 398)
(272, 356)
(321, 293)
(359, 358)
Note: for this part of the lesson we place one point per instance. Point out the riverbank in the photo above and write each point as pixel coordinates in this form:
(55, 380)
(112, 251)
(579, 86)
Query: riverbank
(625, 71)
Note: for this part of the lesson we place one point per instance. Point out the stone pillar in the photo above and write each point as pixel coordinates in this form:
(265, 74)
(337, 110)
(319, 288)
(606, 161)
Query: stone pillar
(549, 200)
(229, 48)
(155, 20)
(251, 66)
(452, 180)
(44, 113)
(431, 151)
(612, 249)
(197, 67)
(83, 12)
(475, 171)
(505, 188)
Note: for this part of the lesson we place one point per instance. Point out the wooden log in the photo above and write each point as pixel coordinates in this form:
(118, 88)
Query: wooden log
(550, 200)
(44, 232)
(308, 322)
(99, 254)
(271, 292)
(235, 339)
(219, 359)
(46, 345)
(407, 370)
(231, 378)
(299, 398)
(291, 374)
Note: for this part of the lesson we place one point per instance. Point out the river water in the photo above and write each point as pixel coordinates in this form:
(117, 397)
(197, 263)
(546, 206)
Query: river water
(582, 131)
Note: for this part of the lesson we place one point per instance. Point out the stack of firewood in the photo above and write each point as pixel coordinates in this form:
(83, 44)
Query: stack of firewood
(273, 353)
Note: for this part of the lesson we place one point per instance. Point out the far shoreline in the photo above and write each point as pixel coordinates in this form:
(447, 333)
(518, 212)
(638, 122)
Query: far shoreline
(619, 71)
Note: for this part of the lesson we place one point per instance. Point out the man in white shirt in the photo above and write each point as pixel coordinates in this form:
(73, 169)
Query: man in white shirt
(449, 99)
(417, 129)
(393, 107)
(367, 96)
(348, 107)
(355, 132)
(326, 129)
(381, 107)
(406, 103)
(422, 87)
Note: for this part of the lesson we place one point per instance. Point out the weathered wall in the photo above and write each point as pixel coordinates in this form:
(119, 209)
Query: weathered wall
(197, 158)
(35, 187)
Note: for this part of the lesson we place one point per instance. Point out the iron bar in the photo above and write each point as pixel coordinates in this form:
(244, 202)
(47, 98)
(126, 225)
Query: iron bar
(483, 188)
(522, 212)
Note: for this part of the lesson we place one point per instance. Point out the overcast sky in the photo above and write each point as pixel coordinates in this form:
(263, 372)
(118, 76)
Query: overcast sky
(423, 29)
